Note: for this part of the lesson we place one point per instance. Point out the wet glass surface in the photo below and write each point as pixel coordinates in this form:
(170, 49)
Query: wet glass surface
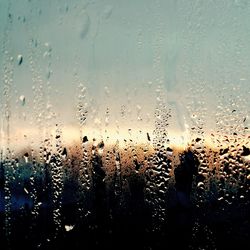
(124, 124)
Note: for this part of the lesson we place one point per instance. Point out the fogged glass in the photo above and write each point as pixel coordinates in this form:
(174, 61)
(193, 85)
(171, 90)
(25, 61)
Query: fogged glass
(124, 119)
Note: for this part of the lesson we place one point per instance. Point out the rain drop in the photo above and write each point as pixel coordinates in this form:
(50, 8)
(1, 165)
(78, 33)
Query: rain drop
(22, 100)
(85, 25)
(19, 59)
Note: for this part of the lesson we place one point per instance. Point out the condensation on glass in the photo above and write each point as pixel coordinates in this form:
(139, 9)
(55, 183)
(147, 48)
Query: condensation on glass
(124, 114)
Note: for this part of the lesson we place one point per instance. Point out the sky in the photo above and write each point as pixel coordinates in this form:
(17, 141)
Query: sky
(118, 61)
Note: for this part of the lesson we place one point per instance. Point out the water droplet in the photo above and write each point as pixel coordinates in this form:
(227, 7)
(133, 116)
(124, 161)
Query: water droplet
(200, 185)
(69, 227)
(22, 100)
(26, 157)
(85, 25)
(48, 74)
(26, 191)
(85, 139)
(107, 11)
(19, 59)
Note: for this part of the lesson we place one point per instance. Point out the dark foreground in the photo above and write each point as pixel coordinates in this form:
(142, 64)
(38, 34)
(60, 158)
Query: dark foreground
(130, 226)
(123, 211)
